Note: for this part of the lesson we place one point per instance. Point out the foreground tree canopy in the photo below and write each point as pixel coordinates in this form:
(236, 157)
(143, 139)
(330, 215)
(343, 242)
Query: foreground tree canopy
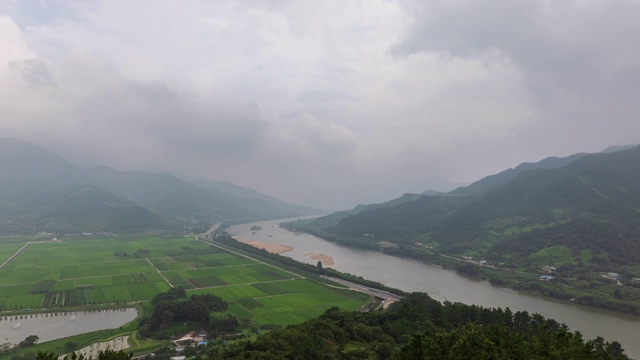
(419, 327)
(415, 328)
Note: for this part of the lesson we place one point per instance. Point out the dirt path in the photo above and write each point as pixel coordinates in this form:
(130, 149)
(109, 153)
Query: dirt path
(159, 273)
(14, 255)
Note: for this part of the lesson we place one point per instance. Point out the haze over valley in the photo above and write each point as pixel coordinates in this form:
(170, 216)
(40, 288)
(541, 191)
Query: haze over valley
(327, 106)
(280, 179)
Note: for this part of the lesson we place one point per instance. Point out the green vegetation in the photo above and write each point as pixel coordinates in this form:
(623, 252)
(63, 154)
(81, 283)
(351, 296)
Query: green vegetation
(416, 327)
(42, 192)
(95, 272)
(574, 219)
(100, 273)
(310, 271)
(174, 307)
(104, 355)
(419, 327)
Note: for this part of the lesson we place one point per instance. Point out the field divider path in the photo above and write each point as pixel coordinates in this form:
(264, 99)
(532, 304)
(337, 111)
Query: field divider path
(159, 273)
(267, 296)
(86, 263)
(212, 267)
(242, 284)
(250, 258)
(14, 255)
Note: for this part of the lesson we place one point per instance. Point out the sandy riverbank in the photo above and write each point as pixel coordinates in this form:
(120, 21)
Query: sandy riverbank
(272, 248)
(93, 350)
(326, 259)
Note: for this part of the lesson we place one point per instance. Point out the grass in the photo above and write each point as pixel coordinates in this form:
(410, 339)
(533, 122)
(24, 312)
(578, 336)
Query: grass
(557, 256)
(54, 276)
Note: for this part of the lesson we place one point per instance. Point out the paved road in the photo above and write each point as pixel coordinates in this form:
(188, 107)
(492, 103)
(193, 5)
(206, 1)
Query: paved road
(364, 289)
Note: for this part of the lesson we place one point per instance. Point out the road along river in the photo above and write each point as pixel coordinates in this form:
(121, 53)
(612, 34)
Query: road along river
(443, 284)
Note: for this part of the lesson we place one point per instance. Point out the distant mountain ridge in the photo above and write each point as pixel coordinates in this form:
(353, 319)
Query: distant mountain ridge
(41, 191)
(242, 192)
(436, 184)
(505, 176)
(586, 203)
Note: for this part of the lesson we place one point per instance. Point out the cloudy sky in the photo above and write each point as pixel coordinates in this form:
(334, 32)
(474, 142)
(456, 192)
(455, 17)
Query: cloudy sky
(324, 103)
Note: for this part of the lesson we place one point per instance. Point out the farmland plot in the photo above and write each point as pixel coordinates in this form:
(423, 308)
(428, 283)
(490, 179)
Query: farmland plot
(107, 271)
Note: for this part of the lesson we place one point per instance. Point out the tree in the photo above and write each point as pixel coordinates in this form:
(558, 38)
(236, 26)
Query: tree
(5, 347)
(46, 356)
(220, 324)
(29, 341)
(71, 346)
(319, 265)
(167, 317)
(114, 355)
(103, 355)
(617, 294)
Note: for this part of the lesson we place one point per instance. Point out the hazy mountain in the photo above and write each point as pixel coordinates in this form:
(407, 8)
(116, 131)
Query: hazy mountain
(505, 176)
(333, 219)
(437, 184)
(26, 166)
(241, 192)
(41, 191)
(618, 148)
(590, 204)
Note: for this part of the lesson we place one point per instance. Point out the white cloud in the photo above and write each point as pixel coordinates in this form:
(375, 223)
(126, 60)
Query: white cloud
(287, 95)
(12, 44)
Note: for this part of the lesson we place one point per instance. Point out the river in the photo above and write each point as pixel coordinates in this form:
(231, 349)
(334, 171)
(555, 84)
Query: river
(52, 326)
(443, 284)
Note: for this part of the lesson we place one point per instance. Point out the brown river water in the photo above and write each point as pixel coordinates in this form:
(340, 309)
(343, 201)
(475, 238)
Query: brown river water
(443, 284)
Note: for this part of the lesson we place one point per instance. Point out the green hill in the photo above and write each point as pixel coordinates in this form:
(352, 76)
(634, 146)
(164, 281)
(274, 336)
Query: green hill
(581, 219)
(41, 191)
(591, 203)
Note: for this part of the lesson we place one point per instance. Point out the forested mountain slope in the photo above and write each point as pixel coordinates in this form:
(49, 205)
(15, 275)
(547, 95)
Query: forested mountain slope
(590, 205)
(41, 191)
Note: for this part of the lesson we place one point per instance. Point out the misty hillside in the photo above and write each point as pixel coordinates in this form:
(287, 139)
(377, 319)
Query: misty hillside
(505, 176)
(41, 191)
(587, 203)
(327, 221)
(249, 195)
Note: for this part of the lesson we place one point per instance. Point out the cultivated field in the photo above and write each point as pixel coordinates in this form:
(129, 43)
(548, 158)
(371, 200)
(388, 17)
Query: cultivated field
(106, 271)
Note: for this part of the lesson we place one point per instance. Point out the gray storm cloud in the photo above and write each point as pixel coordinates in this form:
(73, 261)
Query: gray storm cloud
(578, 58)
(327, 104)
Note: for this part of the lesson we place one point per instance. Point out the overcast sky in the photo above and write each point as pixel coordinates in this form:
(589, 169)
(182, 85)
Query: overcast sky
(324, 103)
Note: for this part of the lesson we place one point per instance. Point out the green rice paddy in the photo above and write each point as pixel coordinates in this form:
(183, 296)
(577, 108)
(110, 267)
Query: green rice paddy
(81, 272)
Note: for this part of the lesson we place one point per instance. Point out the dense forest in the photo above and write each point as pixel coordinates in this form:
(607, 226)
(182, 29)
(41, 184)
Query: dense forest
(419, 327)
(173, 306)
(589, 204)
(574, 219)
